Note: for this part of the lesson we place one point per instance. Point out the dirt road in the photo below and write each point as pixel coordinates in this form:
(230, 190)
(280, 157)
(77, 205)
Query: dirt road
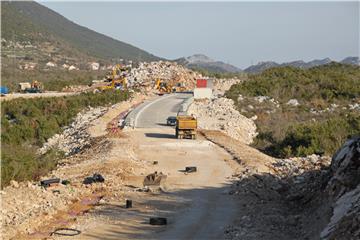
(12, 96)
(196, 205)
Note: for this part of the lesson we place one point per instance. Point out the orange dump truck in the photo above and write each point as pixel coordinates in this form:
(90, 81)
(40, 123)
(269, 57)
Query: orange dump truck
(186, 127)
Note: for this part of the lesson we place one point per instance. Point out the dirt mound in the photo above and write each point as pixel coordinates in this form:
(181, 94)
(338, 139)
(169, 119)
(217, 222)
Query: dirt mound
(167, 71)
(220, 114)
(75, 137)
(344, 190)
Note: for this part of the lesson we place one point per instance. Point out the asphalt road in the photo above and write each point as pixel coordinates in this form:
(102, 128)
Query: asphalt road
(154, 114)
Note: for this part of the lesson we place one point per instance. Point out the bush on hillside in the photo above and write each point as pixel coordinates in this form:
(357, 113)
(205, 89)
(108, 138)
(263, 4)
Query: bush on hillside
(28, 123)
(328, 82)
(285, 130)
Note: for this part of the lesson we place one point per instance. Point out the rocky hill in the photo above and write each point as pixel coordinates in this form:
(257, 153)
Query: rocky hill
(351, 60)
(200, 61)
(261, 66)
(29, 25)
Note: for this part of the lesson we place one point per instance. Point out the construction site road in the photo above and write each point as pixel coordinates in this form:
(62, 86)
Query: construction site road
(153, 114)
(197, 205)
(12, 96)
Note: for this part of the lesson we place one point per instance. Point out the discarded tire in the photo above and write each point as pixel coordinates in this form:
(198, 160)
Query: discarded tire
(65, 182)
(158, 221)
(66, 232)
(95, 178)
(128, 204)
(98, 178)
(190, 169)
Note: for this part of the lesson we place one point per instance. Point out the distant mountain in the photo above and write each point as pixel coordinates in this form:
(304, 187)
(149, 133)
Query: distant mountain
(34, 24)
(351, 60)
(261, 66)
(200, 61)
(299, 64)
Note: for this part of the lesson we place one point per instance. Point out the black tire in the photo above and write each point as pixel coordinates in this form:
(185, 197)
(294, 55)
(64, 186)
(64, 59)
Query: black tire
(158, 221)
(66, 232)
(190, 169)
(177, 133)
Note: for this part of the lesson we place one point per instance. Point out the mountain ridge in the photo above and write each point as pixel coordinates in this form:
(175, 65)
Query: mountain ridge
(261, 66)
(45, 24)
(201, 61)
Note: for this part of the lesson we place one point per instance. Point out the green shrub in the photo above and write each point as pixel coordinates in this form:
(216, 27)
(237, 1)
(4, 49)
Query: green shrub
(312, 138)
(295, 131)
(328, 82)
(27, 123)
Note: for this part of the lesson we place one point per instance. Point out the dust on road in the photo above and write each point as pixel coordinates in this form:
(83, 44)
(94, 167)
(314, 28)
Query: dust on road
(197, 205)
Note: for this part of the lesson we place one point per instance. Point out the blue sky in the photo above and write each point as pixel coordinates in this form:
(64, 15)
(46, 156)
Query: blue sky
(240, 33)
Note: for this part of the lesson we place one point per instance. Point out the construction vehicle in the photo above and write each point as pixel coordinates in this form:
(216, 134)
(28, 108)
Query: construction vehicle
(179, 87)
(162, 86)
(186, 127)
(33, 87)
(117, 78)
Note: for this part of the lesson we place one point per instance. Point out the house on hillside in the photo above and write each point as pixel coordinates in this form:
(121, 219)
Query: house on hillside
(94, 66)
(28, 66)
(72, 67)
(51, 64)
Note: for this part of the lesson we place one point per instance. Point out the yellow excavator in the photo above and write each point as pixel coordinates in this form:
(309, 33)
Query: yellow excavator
(162, 86)
(117, 78)
(169, 86)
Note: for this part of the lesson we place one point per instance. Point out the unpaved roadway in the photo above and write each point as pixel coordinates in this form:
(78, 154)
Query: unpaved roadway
(12, 96)
(197, 204)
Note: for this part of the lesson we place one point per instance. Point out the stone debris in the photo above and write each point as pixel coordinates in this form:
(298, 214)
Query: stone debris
(344, 190)
(293, 102)
(75, 137)
(220, 86)
(220, 114)
(28, 206)
(298, 194)
(167, 71)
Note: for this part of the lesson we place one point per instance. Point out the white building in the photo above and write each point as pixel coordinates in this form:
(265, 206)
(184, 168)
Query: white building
(94, 65)
(51, 64)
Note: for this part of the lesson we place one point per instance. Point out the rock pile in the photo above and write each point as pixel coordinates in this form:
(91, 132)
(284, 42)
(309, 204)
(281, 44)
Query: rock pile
(344, 191)
(147, 72)
(220, 114)
(75, 137)
(222, 85)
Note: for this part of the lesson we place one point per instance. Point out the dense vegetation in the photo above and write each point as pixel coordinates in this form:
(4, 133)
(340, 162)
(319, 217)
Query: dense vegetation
(321, 122)
(328, 83)
(27, 123)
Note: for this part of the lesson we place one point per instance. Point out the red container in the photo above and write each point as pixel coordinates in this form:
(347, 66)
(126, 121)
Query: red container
(201, 83)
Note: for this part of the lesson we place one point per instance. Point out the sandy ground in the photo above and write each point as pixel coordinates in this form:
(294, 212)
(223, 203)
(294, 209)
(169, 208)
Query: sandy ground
(195, 204)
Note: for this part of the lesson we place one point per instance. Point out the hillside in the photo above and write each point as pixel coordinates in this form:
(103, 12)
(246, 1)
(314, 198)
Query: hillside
(261, 66)
(301, 111)
(33, 24)
(202, 62)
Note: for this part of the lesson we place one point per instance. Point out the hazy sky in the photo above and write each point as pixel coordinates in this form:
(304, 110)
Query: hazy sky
(240, 33)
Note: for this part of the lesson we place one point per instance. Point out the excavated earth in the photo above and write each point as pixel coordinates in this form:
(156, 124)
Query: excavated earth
(237, 193)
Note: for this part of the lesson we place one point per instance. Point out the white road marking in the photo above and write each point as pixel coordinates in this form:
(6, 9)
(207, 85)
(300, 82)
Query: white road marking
(148, 105)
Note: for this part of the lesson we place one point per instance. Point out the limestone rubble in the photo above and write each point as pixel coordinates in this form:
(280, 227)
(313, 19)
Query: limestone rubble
(220, 114)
